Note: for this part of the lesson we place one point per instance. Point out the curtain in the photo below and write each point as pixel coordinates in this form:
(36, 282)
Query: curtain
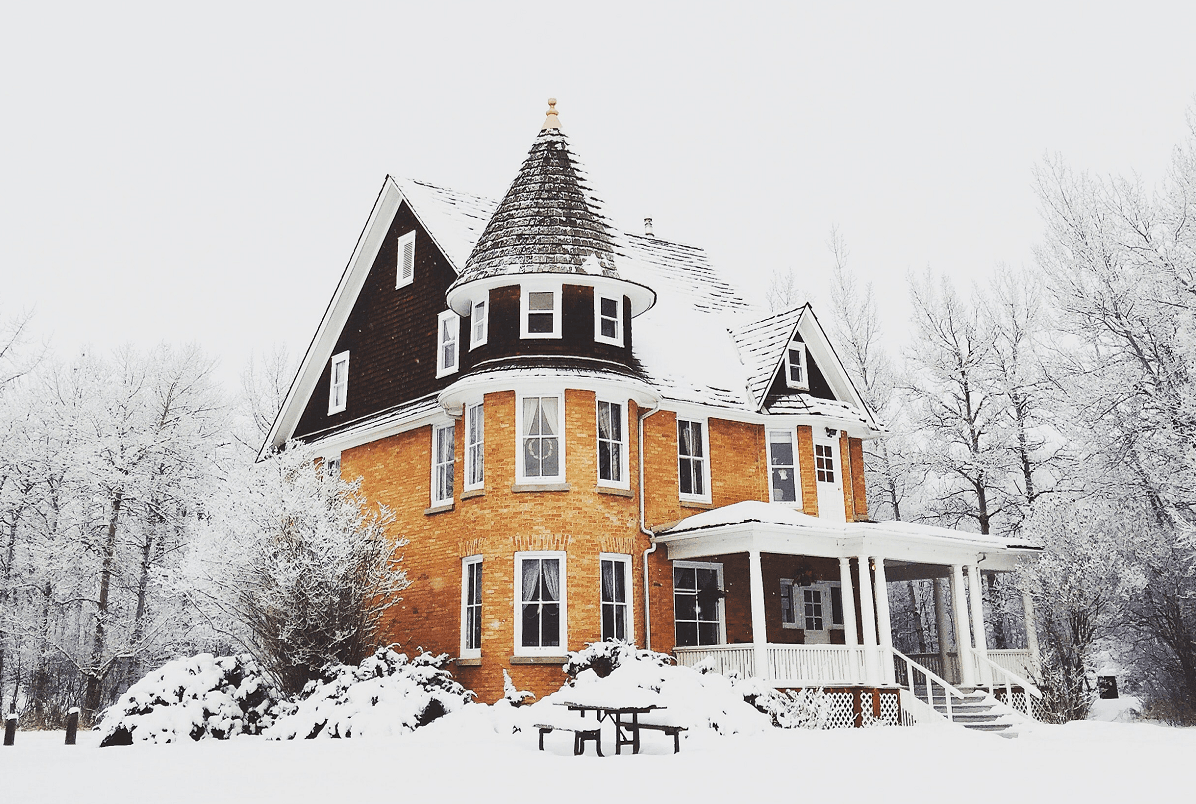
(531, 574)
(608, 581)
(551, 575)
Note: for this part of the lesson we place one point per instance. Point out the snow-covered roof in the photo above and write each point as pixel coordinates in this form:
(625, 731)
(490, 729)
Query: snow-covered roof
(457, 219)
(761, 346)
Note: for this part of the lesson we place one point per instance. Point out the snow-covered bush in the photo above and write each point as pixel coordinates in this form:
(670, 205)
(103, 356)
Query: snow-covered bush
(789, 709)
(386, 694)
(512, 694)
(197, 697)
(604, 657)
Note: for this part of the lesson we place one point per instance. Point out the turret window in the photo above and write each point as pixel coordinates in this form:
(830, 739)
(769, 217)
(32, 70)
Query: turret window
(442, 465)
(541, 459)
(540, 607)
(478, 324)
(608, 320)
(448, 352)
(475, 474)
(795, 366)
(540, 313)
(612, 445)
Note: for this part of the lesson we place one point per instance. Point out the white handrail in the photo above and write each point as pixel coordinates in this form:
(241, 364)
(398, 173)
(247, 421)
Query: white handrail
(948, 689)
(1010, 679)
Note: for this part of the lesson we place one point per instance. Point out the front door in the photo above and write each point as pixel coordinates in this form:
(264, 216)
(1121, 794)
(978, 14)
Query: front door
(828, 472)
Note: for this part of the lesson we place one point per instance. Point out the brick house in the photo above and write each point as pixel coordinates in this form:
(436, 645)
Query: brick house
(589, 434)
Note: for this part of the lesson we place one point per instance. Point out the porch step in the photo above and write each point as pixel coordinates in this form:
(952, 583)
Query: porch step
(977, 711)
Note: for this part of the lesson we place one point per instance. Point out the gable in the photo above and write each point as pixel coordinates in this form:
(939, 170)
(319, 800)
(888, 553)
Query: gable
(819, 388)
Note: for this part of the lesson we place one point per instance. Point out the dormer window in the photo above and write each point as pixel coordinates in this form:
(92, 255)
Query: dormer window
(540, 313)
(338, 384)
(448, 353)
(405, 273)
(608, 320)
(478, 323)
(795, 366)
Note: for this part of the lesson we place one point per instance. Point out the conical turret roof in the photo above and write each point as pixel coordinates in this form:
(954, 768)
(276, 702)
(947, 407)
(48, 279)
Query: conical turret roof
(549, 221)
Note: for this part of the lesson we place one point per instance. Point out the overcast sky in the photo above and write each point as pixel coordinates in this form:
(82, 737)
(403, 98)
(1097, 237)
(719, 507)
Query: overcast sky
(202, 174)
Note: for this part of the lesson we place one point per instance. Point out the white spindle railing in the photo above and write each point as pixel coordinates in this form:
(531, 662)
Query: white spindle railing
(1001, 677)
(1018, 662)
(728, 658)
(819, 664)
(934, 663)
(930, 681)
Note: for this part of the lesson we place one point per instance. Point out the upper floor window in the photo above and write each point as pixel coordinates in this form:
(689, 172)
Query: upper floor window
(338, 385)
(608, 320)
(471, 607)
(332, 466)
(783, 485)
(448, 352)
(693, 467)
(616, 596)
(405, 274)
(479, 324)
(539, 422)
(540, 604)
(795, 365)
(612, 445)
(475, 473)
(442, 464)
(824, 463)
(540, 313)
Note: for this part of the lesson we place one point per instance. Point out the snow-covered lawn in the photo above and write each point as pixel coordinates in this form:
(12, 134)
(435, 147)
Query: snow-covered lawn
(461, 757)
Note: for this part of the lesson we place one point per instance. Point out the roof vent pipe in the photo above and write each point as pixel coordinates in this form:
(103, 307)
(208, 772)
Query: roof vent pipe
(648, 228)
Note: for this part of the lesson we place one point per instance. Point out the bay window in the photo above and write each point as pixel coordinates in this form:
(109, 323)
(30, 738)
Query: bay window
(442, 464)
(539, 420)
(475, 471)
(612, 445)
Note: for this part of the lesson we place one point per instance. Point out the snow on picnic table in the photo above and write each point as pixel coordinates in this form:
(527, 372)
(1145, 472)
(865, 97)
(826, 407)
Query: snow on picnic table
(463, 755)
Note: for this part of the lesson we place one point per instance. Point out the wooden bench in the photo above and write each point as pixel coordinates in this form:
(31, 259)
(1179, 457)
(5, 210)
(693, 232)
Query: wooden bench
(673, 731)
(581, 736)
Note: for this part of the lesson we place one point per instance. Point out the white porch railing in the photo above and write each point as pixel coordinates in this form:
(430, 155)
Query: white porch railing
(727, 658)
(796, 665)
(917, 678)
(996, 676)
(934, 663)
(1018, 662)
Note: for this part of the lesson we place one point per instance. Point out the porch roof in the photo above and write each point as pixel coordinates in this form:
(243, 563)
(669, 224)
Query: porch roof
(775, 528)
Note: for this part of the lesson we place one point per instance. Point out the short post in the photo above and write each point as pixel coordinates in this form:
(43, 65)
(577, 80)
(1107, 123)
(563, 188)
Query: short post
(72, 724)
(10, 729)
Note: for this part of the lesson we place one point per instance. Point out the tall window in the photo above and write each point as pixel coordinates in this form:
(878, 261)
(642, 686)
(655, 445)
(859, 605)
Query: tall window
(783, 485)
(448, 353)
(475, 473)
(697, 610)
(612, 445)
(338, 385)
(405, 274)
(540, 434)
(540, 313)
(608, 320)
(540, 603)
(478, 324)
(691, 460)
(795, 365)
(824, 462)
(616, 583)
(442, 464)
(471, 607)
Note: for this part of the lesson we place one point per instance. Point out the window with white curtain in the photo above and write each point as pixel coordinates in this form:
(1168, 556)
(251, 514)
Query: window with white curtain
(448, 349)
(616, 596)
(479, 324)
(612, 445)
(540, 607)
(442, 464)
(471, 607)
(692, 466)
(539, 419)
(475, 438)
(783, 483)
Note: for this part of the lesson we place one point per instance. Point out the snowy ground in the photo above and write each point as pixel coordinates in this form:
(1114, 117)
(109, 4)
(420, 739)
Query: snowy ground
(461, 756)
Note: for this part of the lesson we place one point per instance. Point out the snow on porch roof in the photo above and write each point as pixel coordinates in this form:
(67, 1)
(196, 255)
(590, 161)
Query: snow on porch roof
(748, 512)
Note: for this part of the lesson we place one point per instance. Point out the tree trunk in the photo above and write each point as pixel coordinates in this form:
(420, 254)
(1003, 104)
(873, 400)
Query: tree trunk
(95, 678)
(41, 676)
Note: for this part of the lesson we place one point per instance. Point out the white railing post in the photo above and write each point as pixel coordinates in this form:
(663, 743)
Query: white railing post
(759, 622)
(871, 670)
(963, 632)
(1031, 632)
(977, 595)
(884, 623)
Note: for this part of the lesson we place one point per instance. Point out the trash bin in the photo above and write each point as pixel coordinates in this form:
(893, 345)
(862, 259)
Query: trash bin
(1106, 686)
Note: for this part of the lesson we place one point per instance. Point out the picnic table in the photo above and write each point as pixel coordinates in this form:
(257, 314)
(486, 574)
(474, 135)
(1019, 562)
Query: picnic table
(616, 713)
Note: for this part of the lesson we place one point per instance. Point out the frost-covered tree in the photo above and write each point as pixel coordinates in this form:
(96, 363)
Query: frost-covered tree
(297, 566)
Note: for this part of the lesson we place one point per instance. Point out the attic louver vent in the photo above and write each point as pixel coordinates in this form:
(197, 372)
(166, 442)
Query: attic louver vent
(406, 260)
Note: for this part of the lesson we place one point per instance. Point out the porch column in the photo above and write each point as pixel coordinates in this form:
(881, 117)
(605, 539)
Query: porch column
(963, 631)
(1031, 631)
(884, 624)
(871, 671)
(940, 625)
(984, 674)
(847, 592)
(759, 622)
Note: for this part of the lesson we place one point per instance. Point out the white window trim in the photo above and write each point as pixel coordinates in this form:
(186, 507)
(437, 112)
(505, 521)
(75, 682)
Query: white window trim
(557, 312)
(624, 559)
(333, 406)
(400, 281)
(797, 503)
(550, 650)
(520, 478)
(704, 498)
(625, 483)
(798, 606)
(722, 601)
(805, 366)
(598, 336)
(439, 501)
(474, 340)
(468, 653)
(465, 484)
(454, 320)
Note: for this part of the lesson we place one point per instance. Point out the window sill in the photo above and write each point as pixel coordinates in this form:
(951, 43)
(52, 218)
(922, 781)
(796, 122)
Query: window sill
(539, 659)
(474, 662)
(522, 488)
(438, 509)
(614, 490)
(468, 495)
(696, 504)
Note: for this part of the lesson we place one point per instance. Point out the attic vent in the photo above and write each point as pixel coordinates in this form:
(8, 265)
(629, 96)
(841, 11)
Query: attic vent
(406, 273)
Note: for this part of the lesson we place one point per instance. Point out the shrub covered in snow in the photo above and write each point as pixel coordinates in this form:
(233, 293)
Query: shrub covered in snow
(386, 694)
(513, 695)
(789, 709)
(604, 657)
(200, 696)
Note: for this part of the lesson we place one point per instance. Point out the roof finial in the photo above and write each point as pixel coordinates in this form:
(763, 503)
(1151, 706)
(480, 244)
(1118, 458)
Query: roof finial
(551, 120)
